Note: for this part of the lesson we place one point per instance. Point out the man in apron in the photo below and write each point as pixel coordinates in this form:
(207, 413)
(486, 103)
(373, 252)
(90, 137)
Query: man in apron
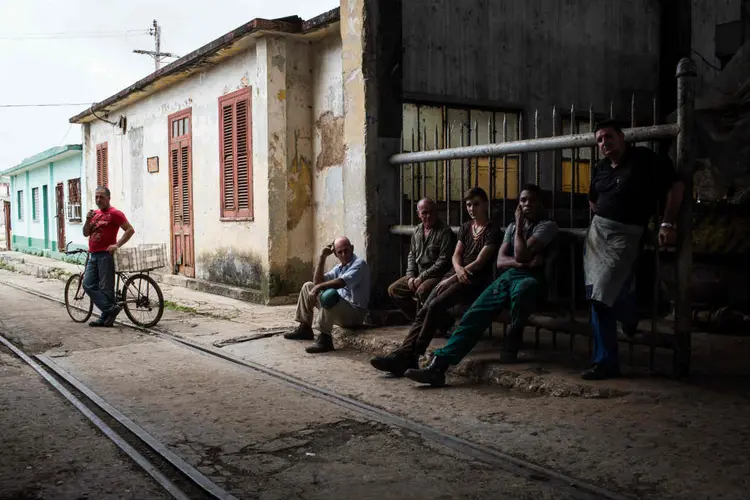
(625, 187)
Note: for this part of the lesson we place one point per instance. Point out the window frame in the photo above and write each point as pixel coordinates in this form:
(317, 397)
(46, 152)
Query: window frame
(74, 201)
(35, 212)
(237, 214)
(20, 197)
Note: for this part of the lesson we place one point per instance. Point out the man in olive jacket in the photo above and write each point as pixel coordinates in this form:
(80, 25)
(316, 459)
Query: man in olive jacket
(432, 246)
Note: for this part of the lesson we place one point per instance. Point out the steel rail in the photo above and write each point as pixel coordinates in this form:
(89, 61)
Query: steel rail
(576, 488)
(139, 459)
(191, 472)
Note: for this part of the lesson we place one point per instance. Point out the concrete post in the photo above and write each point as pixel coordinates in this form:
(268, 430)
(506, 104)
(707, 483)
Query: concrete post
(371, 65)
(271, 132)
(686, 74)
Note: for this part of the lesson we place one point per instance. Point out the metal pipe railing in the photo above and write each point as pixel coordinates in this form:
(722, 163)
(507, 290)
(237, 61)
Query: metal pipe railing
(532, 145)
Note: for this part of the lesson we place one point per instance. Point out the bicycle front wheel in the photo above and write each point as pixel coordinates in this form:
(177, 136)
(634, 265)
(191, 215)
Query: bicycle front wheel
(77, 303)
(143, 300)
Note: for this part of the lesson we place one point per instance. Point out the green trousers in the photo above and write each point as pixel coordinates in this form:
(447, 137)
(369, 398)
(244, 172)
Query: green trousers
(516, 289)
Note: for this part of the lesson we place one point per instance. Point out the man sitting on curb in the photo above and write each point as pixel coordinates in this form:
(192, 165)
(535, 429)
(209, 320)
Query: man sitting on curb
(521, 260)
(430, 253)
(341, 294)
(478, 241)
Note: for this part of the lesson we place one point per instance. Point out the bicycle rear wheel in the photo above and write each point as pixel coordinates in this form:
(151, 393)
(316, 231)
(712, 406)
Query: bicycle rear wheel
(77, 303)
(143, 300)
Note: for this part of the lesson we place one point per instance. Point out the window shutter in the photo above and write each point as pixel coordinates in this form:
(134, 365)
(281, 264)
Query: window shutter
(228, 160)
(102, 160)
(236, 155)
(176, 192)
(243, 174)
(185, 172)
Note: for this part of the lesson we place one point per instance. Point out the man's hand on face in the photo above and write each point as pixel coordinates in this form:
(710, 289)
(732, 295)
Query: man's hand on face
(519, 216)
(112, 249)
(327, 250)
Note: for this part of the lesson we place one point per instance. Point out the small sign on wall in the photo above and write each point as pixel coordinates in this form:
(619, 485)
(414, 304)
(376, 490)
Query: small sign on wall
(152, 164)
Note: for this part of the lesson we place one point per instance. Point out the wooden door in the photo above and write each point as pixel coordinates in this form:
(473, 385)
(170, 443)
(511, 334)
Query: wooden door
(60, 216)
(181, 193)
(6, 210)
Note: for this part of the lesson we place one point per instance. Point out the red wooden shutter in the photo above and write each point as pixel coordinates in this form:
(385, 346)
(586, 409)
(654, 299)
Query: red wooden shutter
(176, 191)
(102, 160)
(185, 173)
(229, 207)
(236, 155)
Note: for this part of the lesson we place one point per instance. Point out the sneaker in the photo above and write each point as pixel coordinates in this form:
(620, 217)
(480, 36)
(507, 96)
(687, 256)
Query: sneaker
(302, 332)
(323, 344)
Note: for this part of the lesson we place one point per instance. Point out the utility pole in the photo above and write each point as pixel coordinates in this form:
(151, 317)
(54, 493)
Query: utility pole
(155, 31)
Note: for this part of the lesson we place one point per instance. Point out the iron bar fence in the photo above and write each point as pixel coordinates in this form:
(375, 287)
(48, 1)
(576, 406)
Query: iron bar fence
(583, 156)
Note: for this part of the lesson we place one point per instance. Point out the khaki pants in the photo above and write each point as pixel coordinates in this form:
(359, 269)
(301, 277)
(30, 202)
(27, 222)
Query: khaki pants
(406, 300)
(342, 314)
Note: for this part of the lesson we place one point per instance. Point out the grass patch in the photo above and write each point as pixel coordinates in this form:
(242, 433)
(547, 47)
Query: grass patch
(8, 267)
(174, 306)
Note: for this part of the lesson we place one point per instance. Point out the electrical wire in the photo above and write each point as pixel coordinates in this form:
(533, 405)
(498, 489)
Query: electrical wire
(82, 34)
(45, 105)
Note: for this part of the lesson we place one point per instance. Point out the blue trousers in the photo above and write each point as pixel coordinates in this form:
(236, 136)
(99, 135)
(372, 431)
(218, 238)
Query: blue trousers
(604, 324)
(99, 281)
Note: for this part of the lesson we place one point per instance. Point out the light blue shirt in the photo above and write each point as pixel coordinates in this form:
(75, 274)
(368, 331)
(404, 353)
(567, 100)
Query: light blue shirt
(356, 275)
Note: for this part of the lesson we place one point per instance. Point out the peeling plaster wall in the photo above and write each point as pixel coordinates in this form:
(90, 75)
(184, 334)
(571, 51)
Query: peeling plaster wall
(706, 15)
(236, 252)
(328, 142)
(300, 227)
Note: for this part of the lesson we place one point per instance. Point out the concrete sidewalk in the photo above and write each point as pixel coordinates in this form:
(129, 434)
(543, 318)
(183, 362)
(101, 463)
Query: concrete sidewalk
(543, 371)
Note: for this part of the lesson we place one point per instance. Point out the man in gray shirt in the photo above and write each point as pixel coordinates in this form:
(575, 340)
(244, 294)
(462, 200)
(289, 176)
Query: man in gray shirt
(432, 246)
(521, 261)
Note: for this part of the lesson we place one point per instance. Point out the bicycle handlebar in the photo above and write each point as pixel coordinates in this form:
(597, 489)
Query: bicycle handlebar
(80, 250)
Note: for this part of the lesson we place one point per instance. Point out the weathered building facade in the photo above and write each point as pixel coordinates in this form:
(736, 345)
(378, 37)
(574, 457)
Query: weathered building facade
(215, 154)
(46, 209)
(328, 102)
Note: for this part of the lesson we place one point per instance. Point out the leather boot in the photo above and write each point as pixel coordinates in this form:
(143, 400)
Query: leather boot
(324, 343)
(302, 332)
(434, 374)
(395, 363)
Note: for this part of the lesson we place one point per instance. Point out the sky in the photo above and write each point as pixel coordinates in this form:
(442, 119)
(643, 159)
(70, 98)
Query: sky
(81, 51)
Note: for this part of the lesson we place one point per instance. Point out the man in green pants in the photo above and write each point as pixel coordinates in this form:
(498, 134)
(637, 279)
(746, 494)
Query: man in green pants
(521, 260)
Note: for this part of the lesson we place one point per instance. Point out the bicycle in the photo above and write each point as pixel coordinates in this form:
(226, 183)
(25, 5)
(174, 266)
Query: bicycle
(134, 296)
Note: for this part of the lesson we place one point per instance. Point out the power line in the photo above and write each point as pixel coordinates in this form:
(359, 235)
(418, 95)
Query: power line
(45, 105)
(82, 34)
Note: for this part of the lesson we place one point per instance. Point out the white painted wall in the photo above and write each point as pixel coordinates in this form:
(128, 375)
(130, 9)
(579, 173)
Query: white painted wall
(328, 110)
(144, 197)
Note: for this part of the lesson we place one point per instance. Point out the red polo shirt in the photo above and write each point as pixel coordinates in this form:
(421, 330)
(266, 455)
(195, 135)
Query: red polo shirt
(104, 227)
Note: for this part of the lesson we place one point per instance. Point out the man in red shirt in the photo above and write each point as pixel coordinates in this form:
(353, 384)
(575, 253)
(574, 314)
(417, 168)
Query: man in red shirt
(101, 228)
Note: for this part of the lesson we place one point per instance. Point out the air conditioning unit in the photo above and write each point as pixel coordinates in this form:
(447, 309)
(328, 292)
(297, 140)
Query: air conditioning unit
(74, 211)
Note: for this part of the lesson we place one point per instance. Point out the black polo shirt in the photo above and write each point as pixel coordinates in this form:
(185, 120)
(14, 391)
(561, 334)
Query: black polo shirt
(628, 193)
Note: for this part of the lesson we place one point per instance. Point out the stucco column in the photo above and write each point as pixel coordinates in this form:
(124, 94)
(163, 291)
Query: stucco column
(271, 120)
(371, 65)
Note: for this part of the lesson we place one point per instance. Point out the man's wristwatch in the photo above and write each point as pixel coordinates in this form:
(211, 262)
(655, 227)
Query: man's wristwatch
(669, 225)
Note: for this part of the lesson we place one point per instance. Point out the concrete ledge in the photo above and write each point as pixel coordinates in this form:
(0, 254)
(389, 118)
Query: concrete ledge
(39, 267)
(233, 292)
(541, 373)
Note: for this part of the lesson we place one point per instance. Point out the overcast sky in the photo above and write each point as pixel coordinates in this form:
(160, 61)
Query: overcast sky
(60, 68)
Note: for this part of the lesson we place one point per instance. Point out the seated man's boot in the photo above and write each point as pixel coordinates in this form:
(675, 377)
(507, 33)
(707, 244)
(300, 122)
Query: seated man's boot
(434, 374)
(509, 351)
(599, 371)
(302, 332)
(395, 363)
(324, 343)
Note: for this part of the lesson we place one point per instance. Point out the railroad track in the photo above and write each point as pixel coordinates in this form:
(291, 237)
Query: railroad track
(574, 488)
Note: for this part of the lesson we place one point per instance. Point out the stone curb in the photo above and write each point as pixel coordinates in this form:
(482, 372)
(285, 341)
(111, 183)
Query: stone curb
(508, 376)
